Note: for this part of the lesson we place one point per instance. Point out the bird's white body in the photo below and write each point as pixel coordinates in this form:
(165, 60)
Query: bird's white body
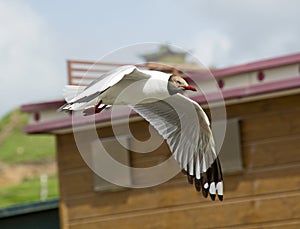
(180, 120)
(133, 91)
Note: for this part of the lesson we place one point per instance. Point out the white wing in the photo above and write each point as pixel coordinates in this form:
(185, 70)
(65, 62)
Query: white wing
(186, 128)
(88, 96)
(107, 80)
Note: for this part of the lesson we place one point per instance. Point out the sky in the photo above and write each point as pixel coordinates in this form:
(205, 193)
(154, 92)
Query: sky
(37, 37)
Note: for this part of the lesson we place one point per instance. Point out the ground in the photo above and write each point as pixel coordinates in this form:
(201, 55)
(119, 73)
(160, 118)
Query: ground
(23, 159)
(12, 174)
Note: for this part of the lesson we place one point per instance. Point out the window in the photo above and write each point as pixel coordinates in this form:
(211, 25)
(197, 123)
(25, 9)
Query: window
(230, 154)
(116, 151)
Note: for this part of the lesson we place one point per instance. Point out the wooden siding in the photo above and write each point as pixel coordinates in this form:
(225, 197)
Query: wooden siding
(265, 195)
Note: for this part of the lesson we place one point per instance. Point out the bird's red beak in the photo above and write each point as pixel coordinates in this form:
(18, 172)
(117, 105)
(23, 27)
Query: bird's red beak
(189, 87)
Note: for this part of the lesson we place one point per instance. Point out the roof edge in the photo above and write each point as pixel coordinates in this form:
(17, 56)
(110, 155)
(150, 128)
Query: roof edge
(257, 65)
(254, 90)
(29, 208)
(42, 106)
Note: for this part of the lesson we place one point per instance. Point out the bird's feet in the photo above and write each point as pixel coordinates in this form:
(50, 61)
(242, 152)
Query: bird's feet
(94, 110)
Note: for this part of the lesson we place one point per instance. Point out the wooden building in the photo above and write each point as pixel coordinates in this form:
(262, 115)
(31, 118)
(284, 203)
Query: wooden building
(263, 192)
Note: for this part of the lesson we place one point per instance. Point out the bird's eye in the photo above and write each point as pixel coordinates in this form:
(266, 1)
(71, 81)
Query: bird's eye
(177, 81)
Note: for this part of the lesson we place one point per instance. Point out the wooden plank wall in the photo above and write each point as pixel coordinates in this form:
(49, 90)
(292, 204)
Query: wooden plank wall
(265, 195)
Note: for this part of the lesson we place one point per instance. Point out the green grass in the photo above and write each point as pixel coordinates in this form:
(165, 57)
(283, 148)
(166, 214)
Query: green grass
(21, 117)
(27, 191)
(18, 147)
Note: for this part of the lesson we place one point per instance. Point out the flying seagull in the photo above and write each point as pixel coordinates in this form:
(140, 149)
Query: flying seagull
(157, 97)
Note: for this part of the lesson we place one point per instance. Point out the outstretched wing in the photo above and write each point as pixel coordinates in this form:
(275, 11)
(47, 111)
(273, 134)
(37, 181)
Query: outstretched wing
(88, 96)
(186, 128)
(107, 80)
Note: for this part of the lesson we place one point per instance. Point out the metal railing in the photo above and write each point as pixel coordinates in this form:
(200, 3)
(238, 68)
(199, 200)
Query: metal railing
(83, 72)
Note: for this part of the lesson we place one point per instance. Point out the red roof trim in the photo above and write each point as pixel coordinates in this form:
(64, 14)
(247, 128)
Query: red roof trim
(251, 90)
(79, 121)
(46, 127)
(42, 106)
(257, 65)
(106, 115)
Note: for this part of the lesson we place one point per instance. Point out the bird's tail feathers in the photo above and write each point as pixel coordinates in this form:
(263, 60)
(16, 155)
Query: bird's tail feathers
(77, 106)
(71, 91)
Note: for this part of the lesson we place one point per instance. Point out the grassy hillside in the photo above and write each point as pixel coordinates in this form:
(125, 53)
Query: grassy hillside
(21, 159)
(27, 191)
(17, 147)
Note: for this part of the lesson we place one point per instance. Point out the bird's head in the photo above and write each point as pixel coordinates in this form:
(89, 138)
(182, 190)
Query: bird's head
(178, 84)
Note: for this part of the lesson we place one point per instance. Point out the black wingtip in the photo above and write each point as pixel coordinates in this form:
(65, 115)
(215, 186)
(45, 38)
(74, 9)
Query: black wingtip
(190, 179)
(205, 192)
(220, 197)
(198, 185)
(210, 181)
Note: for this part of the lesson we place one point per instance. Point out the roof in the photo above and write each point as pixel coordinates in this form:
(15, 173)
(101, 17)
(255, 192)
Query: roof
(47, 127)
(28, 208)
(281, 84)
(257, 65)
(42, 106)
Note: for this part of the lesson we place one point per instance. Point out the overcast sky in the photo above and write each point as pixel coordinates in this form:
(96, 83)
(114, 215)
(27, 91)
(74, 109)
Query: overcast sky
(37, 37)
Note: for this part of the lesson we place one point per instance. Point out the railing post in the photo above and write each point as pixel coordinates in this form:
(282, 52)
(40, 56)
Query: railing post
(69, 69)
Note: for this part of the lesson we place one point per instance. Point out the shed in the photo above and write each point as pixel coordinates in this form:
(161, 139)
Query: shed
(263, 190)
